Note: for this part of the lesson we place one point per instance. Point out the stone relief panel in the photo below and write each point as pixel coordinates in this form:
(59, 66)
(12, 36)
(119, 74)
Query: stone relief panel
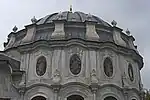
(109, 63)
(75, 64)
(132, 74)
(75, 59)
(108, 67)
(41, 66)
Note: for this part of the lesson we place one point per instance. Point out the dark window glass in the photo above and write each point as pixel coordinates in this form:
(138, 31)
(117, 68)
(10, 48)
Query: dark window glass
(130, 72)
(110, 98)
(75, 64)
(75, 97)
(108, 67)
(41, 66)
(39, 98)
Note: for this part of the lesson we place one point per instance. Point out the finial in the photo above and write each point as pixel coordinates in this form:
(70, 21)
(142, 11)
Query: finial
(34, 20)
(128, 32)
(114, 23)
(15, 29)
(89, 17)
(70, 8)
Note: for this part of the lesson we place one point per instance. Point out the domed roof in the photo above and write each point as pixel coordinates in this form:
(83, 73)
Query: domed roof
(72, 17)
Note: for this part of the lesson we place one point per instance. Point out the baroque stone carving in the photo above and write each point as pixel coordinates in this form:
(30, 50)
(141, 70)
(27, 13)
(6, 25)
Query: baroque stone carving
(41, 66)
(108, 67)
(56, 77)
(130, 72)
(75, 64)
(93, 76)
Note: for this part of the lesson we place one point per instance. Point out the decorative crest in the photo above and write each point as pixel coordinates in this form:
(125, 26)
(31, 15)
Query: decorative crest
(15, 29)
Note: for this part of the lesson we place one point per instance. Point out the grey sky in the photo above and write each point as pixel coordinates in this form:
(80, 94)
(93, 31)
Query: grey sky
(132, 14)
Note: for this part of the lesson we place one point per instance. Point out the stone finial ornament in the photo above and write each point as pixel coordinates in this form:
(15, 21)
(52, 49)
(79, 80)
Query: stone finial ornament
(60, 15)
(34, 20)
(15, 29)
(70, 8)
(93, 76)
(128, 32)
(56, 77)
(114, 23)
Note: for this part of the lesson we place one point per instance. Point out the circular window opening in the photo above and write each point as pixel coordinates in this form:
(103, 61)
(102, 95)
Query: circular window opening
(75, 97)
(39, 98)
(110, 98)
(41, 66)
(75, 64)
(108, 67)
(130, 72)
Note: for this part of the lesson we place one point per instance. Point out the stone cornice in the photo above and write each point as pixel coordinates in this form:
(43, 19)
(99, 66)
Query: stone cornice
(83, 43)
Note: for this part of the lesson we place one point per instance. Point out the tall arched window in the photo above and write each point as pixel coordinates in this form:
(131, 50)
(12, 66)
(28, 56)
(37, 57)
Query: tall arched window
(75, 64)
(41, 66)
(130, 72)
(39, 98)
(110, 98)
(108, 67)
(75, 97)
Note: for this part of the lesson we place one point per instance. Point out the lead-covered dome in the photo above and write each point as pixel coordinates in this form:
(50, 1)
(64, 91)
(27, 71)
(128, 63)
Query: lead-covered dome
(71, 17)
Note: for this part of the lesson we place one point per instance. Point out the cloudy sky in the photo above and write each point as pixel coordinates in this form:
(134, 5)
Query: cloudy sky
(131, 14)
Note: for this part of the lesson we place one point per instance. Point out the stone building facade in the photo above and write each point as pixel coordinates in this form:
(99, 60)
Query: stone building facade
(70, 56)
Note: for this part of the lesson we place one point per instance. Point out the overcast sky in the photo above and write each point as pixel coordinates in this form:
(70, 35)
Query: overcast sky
(131, 14)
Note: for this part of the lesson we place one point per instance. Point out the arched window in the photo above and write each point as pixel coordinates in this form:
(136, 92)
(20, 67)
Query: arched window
(39, 98)
(75, 64)
(110, 98)
(130, 72)
(75, 97)
(108, 67)
(41, 66)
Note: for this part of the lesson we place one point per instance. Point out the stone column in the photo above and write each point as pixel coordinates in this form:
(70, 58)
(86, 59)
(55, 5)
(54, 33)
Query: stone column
(22, 92)
(125, 93)
(94, 88)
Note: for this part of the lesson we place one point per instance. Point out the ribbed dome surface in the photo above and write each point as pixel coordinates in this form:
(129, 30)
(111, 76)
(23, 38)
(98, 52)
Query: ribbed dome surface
(72, 17)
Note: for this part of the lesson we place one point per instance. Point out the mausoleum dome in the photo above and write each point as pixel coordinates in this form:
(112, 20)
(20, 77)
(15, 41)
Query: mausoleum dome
(70, 56)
